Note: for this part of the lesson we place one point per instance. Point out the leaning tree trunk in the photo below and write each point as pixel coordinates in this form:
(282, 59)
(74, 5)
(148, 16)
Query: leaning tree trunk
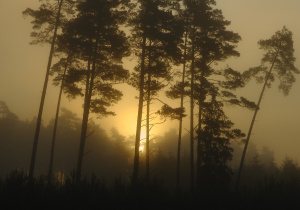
(39, 118)
(139, 117)
(181, 117)
(252, 123)
(55, 125)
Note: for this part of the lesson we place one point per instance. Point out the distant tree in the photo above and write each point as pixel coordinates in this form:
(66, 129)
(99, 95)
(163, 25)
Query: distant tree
(8, 121)
(120, 154)
(278, 61)
(5, 112)
(255, 172)
(268, 160)
(214, 150)
(98, 45)
(47, 19)
(68, 129)
(290, 172)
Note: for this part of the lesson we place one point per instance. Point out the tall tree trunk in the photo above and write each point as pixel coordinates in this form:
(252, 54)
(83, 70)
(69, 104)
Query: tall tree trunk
(86, 111)
(192, 176)
(148, 128)
(181, 118)
(139, 117)
(199, 133)
(85, 118)
(39, 118)
(55, 125)
(252, 123)
(148, 117)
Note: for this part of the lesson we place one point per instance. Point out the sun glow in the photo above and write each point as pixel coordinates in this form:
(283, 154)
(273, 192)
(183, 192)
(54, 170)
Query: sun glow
(141, 148)
(143, 139)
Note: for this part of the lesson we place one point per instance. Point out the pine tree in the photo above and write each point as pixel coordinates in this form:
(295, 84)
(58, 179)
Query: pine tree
(61, 68)
(47, 19)
(98, 45)
(278, 61)
(156, 34)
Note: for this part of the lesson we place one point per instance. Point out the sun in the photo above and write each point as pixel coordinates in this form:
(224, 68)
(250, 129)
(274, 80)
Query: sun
(143, 139)
(141, 148)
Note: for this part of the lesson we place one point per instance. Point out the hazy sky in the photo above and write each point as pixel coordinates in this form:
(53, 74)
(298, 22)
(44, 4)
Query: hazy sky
(23, 66)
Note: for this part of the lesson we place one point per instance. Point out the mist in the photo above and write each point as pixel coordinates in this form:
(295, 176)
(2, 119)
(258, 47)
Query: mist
(110, 141)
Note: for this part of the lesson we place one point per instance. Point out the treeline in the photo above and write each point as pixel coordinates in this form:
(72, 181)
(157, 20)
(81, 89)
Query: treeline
(110, 155)
(90, 40)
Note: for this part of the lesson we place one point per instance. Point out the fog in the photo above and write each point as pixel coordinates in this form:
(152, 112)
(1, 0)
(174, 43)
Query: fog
(22, 69)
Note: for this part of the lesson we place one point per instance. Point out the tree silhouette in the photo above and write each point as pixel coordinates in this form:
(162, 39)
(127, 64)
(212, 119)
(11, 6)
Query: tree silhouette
(47, 19)
(7, 121)
(214, 150)
(278, 61)
(177, 91)
(290, 172)
(62, 67)
(208, 41)
(98, 46)
(156, 34)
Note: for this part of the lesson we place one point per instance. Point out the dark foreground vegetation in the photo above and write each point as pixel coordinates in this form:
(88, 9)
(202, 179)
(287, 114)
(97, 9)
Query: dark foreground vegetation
(92, 193)
(269, 192)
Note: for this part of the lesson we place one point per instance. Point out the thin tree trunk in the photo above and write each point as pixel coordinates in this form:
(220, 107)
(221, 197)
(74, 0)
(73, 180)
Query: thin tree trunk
(199, 135)
(181, 118)
(39, 118)
(148, 128)
(55, 125)
(139, 117)
(252, 123)
(192, 176)
(148, 118)
(85, 118)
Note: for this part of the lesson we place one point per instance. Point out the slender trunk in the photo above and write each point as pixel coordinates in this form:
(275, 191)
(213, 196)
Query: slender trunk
(180, 118)
(40, 113)
(148, 118)
(199, 133)
(55, 125)
(83, 126)
(148, 129)
(86, 111)
(252, 123)
(139, 117)
(192, 176)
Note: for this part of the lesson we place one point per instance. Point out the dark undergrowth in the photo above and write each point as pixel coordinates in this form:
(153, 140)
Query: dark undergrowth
(17, 192)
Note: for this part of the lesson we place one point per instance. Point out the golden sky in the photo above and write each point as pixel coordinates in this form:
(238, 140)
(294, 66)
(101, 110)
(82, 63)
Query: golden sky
(23, 66)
